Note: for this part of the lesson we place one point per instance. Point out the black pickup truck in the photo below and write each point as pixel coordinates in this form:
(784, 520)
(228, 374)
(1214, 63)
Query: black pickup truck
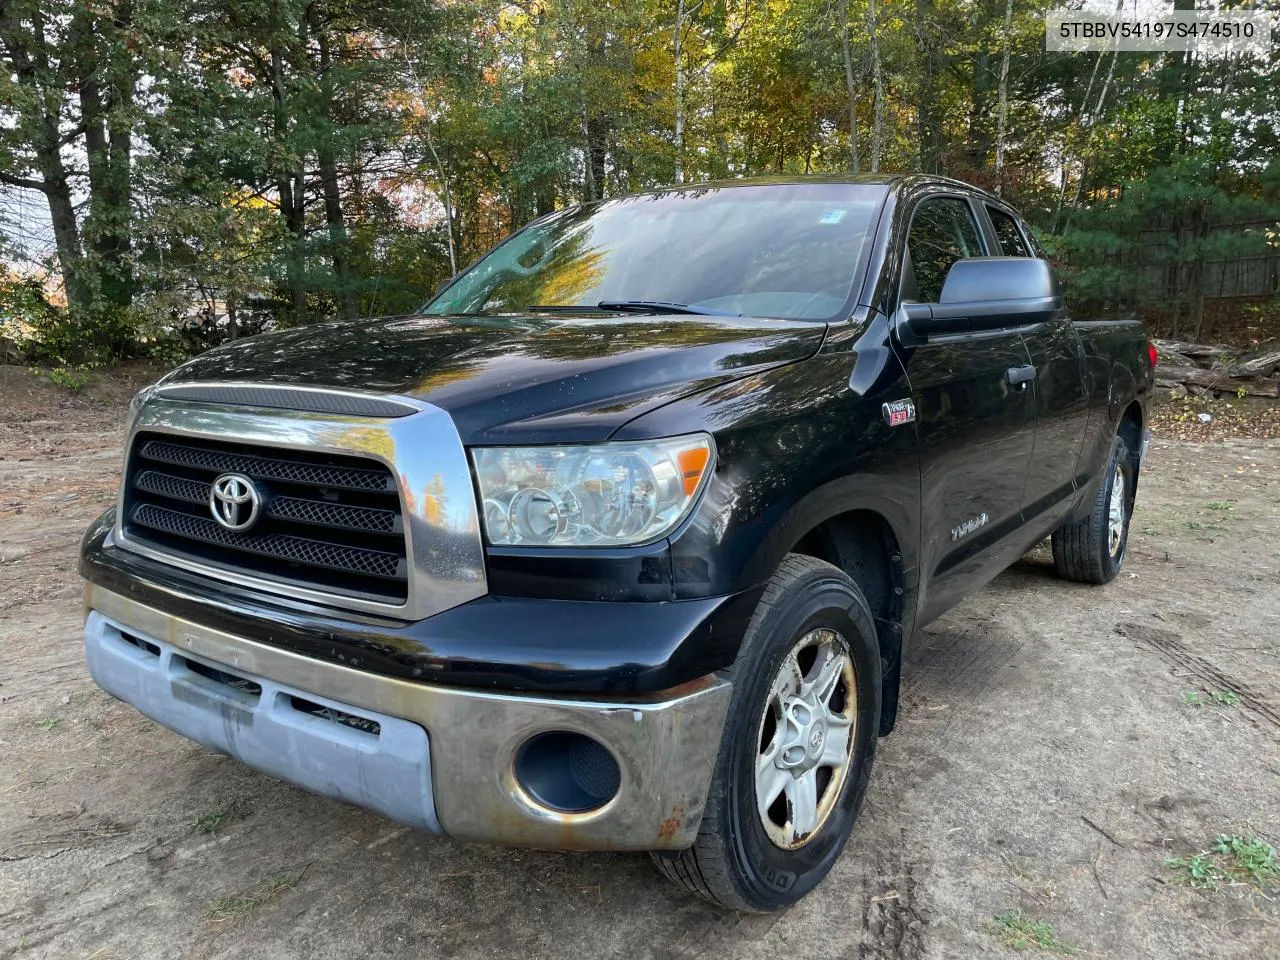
(618, 542)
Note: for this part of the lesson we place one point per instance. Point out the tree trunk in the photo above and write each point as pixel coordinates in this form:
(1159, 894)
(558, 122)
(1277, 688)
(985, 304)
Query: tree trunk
(106, 78)
(877, 127)
(329, 185)
(589, 188)
(929, 113)
(290, 186)
(53, 174)
(597, 140)
(446, 197)
(679, 31)
(1002, 116)
(66, 234)
(978, 142)
(337, 227)
(119, 187)
(855, 163)
(1090, 117)
(298, 224)
(1096, 113)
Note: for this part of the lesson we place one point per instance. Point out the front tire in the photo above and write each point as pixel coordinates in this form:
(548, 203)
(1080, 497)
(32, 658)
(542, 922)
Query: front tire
(798, 744)
(1092, 550)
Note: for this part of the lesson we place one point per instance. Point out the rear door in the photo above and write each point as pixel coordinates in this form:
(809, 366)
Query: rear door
(976, 430)
(1062, 402)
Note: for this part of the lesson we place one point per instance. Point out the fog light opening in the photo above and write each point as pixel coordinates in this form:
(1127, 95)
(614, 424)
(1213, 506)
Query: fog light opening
(567, 772)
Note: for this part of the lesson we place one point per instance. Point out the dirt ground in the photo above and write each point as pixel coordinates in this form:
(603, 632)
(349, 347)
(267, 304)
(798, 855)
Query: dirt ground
(1049, 757)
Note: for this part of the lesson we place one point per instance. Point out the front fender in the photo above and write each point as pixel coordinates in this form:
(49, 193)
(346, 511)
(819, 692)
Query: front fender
(796, 447)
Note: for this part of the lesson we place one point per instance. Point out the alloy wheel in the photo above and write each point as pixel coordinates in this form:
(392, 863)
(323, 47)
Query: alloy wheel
(806, 736)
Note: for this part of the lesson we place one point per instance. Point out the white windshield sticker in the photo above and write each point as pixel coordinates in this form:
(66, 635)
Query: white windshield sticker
(832, 216)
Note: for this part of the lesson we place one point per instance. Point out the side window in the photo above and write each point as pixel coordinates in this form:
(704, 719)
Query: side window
(942, 232)
(1036, 249)
(1011, 240)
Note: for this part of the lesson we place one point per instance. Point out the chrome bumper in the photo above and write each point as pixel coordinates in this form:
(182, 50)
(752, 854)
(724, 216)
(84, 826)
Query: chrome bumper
(666, 748)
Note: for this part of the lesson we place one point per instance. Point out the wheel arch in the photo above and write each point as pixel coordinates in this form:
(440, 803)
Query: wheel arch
(863, 543)
(1130, 430)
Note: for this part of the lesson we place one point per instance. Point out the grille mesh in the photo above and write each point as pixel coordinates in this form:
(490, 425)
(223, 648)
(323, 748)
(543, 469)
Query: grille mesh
(319, 513)
(315, 553)
(175, 488)
(327, 521)
(333, 514)
(290, 471)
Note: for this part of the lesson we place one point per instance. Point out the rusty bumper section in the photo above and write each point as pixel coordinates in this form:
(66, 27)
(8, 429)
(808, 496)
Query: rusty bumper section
(665, 745)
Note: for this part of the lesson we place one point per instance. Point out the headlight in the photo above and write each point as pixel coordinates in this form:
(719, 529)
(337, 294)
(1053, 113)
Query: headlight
(606, 495)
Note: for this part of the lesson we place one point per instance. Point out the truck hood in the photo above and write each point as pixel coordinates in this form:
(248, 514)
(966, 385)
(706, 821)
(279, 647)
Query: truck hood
(524, 379)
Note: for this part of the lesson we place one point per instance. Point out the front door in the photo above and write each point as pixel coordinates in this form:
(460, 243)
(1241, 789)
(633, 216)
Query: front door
(976, 428)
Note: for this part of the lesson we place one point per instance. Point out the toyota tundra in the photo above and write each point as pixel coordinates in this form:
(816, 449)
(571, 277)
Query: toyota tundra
(617, 544)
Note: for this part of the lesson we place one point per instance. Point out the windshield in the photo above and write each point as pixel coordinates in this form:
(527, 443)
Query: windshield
(785, 250)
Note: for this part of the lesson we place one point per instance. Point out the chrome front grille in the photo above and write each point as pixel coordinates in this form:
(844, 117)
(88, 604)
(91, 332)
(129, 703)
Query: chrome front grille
(326, 521)
(346, 492)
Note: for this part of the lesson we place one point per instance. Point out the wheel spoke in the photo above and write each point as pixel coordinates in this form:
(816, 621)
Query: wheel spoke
(835, 751)
(789, 678)
(802, 794)
(824, 684)
(770, 781)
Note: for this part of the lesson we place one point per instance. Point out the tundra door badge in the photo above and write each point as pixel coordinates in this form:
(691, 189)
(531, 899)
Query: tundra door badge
(898, 412)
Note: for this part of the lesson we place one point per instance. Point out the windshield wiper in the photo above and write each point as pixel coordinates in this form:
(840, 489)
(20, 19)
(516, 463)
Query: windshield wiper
(629, 306)
(662, 306)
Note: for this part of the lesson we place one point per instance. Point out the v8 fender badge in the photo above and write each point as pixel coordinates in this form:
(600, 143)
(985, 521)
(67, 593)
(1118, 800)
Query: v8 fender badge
(969, 526)
(898, 412)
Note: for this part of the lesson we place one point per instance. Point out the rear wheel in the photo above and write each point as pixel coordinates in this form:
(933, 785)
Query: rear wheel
(1092, 550)
(798, 744)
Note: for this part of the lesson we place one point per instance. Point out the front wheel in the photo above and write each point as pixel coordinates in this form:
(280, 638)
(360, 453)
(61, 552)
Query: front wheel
(798, 744)
(1092, 550)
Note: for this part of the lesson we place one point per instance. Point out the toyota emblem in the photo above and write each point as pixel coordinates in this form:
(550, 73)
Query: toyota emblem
(234, 501)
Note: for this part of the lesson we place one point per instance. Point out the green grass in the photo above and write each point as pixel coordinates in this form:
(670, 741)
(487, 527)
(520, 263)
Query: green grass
(222, 909)
(1231, 860)
(1220, 505)
(1016, 930)
(47, 723)
(208, 823)
(1215, 698)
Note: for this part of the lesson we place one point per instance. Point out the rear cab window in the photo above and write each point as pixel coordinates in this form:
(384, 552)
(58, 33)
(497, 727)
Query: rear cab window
(1013, 240)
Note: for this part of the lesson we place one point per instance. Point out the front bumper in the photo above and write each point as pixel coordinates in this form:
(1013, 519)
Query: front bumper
(442, 758)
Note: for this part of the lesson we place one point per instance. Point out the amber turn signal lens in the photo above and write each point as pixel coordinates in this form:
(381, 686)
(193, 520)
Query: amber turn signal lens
(692, 464)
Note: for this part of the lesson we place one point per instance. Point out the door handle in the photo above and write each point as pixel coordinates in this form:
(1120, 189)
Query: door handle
(1020, 376)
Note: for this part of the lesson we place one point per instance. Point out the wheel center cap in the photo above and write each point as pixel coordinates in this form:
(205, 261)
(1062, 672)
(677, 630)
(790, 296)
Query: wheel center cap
(805, 737)
(817, 737)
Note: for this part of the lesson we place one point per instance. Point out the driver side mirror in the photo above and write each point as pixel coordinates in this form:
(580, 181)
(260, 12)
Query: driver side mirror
(987, 293)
